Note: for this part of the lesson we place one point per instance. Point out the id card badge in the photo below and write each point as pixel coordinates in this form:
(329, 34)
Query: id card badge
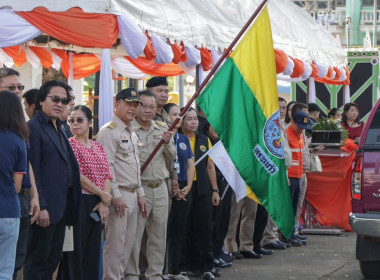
(176, 166)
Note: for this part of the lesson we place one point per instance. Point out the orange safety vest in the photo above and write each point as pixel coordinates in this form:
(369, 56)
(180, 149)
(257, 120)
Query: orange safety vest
(296, 144)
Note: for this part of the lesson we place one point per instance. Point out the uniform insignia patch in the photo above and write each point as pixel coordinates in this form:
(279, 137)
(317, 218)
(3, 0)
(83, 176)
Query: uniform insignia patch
(202, 148)
(183, 146)
(111, 125)
(162, 124)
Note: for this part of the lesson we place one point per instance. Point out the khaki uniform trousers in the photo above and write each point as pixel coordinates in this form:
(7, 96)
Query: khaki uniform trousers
(156, 226)
(247, 207)
(301, 198)
(120, 236)
(270, 232)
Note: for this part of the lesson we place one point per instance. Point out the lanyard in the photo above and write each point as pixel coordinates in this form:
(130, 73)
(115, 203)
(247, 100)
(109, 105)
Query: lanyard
(176, 146)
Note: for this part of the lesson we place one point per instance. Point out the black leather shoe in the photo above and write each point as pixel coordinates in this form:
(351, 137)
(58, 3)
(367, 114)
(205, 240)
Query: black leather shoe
(274, 246)
(304, 242)
(300, 237)
(194, 272)
(262, 251)
(250, 255)
(215, 271)
(223, 264)
(294, 242)
(226, 257)
(237, 255)
(207, 275)
(215, 262)
(288, 245)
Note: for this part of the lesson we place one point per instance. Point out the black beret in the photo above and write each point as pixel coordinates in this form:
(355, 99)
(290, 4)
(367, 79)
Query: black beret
(157, 81)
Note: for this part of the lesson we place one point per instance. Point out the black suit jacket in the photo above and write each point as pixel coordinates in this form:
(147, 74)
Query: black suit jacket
(50, 170)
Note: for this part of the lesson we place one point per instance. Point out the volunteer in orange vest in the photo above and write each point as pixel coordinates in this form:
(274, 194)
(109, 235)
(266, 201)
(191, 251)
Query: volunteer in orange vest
(299, 123)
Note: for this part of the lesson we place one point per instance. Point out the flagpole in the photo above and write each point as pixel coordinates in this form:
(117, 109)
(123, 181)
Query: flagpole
(206, 80)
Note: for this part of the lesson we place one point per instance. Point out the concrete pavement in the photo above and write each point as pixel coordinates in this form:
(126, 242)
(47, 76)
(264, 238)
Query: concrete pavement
(325, 257)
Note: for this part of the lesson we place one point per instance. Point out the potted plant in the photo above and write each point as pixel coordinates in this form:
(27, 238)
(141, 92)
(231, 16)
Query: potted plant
(328, 132)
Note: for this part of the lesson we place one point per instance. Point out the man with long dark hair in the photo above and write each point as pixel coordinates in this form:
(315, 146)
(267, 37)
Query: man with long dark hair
(57, 178)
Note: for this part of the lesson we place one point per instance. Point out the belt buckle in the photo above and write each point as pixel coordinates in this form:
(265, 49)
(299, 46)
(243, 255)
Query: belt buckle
(153, 185)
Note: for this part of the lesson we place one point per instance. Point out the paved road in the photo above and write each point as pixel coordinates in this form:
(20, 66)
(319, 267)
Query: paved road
(325, 257)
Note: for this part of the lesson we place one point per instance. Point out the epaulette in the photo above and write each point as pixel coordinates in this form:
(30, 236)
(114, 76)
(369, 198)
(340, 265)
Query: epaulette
(162, 124)
(111, 125)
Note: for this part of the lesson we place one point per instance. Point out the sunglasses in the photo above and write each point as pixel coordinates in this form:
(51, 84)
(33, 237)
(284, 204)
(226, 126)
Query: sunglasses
(56, 99)
(13, 88)
(78, 120)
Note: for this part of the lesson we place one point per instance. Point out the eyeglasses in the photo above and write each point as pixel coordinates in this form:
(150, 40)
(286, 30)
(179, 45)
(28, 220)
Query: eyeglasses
(145, 107)
(56, 99)
(78, 120)
(13, 88)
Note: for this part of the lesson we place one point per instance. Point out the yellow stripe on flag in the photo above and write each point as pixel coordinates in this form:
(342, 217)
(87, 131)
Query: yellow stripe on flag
(251, 195)
(256, 62)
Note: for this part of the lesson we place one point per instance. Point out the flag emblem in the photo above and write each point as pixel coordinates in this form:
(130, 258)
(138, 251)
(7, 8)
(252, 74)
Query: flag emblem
(272, 135)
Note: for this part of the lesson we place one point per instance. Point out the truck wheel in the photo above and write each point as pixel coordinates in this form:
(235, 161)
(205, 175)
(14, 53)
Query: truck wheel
(370, 269)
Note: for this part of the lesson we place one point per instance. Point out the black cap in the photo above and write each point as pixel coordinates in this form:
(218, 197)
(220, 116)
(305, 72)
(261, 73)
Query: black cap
(128, 95)
(157, 81)
(301, 119)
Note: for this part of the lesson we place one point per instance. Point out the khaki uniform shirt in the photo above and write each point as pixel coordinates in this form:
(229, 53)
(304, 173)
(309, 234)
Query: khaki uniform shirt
(164, 117)
(122, 147)
(156, 169)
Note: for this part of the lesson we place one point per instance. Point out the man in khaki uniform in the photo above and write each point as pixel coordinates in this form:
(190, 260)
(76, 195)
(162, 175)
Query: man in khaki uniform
(122, 147)
(153, 180)
(247, 208)
(159, 87)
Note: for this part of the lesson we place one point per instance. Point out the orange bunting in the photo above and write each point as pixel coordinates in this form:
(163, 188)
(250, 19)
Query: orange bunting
(44, 56)
(314, 73)
(149, 51)
(153, 69)
(299, 68)
(179, 52)
(95, 30)
(206, 58)
(17, 53)
(281, 60)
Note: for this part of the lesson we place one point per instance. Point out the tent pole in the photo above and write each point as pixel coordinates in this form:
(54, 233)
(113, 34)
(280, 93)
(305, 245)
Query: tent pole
(206, 80)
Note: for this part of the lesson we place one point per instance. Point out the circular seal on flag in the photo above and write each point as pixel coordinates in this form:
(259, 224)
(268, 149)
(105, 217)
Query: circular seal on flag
(202, 148)
(183, 146)
(272, 135)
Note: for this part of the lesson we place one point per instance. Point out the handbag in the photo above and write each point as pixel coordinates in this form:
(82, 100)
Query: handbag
(315, 164)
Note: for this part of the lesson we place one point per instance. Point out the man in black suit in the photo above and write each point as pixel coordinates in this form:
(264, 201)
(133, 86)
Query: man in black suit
(57, 178)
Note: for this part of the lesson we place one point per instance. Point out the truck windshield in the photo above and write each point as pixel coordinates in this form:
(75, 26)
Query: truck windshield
(372, 141)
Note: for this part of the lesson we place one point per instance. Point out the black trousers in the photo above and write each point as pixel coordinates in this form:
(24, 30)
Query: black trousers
(221, 219)
(177, 227)
(22, 242)
(44, 251)
(260, 224)
(199, 234)
(83, 262)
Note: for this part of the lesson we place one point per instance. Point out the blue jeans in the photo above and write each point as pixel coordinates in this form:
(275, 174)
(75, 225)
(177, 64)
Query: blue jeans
(9, 228)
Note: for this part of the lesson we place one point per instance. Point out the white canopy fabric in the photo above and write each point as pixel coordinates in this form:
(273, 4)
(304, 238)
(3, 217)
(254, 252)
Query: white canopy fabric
(213, 23)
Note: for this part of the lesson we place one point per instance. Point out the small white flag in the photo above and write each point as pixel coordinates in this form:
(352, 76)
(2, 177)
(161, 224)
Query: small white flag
(223, 161)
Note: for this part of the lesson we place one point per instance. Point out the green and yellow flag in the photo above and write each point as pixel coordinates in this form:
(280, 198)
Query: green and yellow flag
(241, 104)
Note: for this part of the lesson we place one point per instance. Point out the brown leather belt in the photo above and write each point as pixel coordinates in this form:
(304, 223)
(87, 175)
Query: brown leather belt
(131, 190)
(24, 192)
